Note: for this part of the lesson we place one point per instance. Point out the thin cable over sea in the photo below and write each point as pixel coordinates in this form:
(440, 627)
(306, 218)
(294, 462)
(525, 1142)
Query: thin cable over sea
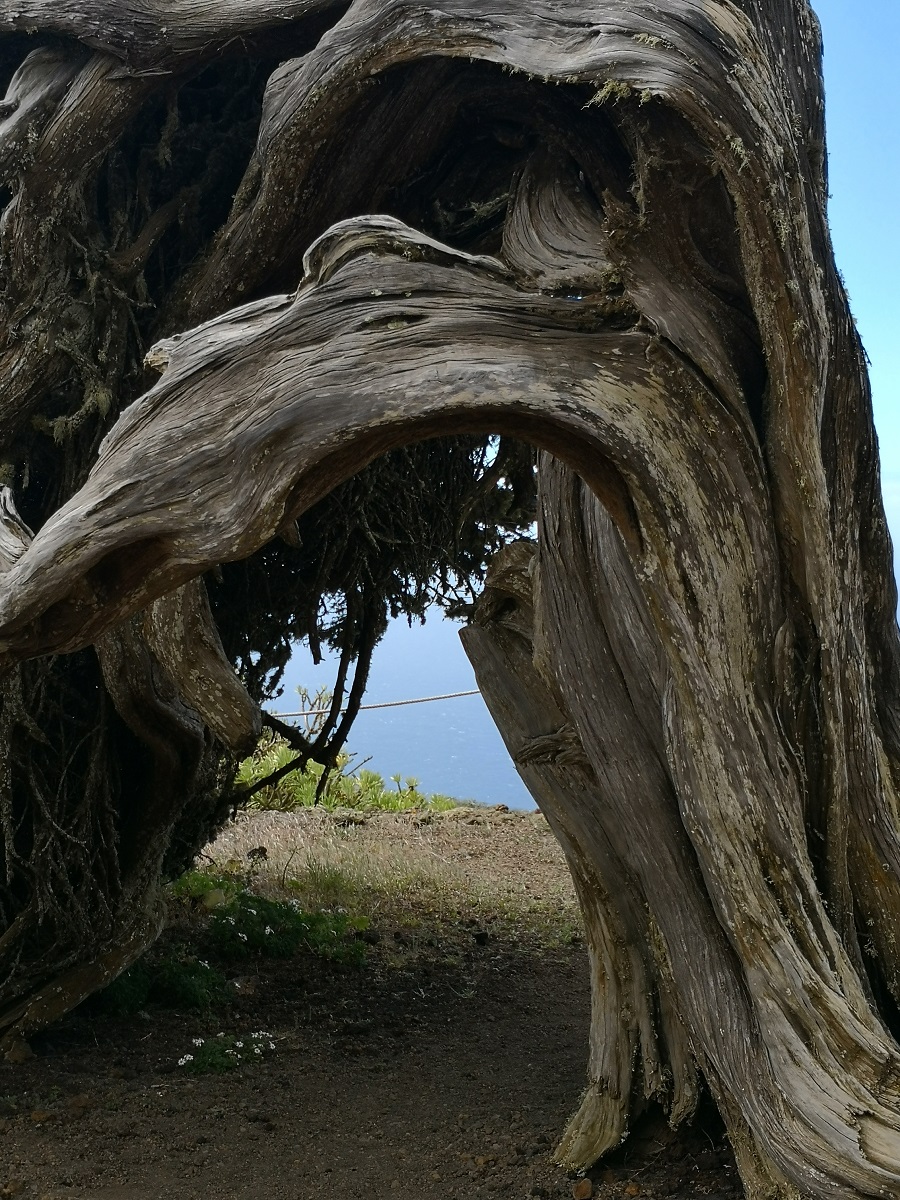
(321, 712)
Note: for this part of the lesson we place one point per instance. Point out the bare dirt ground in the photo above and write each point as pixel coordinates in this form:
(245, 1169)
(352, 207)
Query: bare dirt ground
(445, 1065)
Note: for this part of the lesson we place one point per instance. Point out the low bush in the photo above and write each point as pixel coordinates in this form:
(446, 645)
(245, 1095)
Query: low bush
(240, 925)
(174, 979)
(346, 787)
(252, 925)
(226, 1051)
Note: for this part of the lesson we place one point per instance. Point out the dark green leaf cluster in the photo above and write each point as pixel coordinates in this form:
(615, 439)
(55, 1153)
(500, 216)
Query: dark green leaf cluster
(173, 980)
(416, 528)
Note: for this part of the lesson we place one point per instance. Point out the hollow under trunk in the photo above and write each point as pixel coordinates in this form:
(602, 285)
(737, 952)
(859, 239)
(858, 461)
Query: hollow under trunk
(596, 228)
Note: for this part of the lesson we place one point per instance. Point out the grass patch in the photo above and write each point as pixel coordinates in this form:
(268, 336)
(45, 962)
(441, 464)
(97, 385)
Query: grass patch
(425, 876)
(440, 891)
(211, 887)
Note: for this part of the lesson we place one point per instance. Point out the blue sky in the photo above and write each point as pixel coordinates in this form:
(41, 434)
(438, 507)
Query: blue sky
(862, 108)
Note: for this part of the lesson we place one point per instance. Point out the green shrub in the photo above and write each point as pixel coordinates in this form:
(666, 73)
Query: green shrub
(129, 992)
(226, 1051)
(200, 885)
(176, 979)
(252, 925)
(346, 788)
(242, 926)
(186, 982)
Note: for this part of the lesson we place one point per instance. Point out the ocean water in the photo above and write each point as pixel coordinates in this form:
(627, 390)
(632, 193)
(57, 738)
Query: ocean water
(449, 746)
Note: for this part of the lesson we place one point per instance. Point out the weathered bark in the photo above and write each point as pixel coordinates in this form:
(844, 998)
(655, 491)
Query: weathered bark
(697, 671)
(639, 1048)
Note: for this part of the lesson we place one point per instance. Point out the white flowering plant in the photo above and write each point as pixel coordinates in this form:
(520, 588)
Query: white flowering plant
(227, 1051)
(252, 925)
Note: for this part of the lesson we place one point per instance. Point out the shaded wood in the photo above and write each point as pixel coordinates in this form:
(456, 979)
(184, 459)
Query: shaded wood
(202, 675)
(638, 1048)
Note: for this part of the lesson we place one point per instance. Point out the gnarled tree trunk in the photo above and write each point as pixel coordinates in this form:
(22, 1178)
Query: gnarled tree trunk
(596, 227)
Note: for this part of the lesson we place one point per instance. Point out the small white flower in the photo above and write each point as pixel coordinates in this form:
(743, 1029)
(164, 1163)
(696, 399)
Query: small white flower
(268, 930)
(271, 1045)
(257, 1050)
(230, 920)
(182, 1062)
(239, 1045)
(242, 936)
(197, 1041)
